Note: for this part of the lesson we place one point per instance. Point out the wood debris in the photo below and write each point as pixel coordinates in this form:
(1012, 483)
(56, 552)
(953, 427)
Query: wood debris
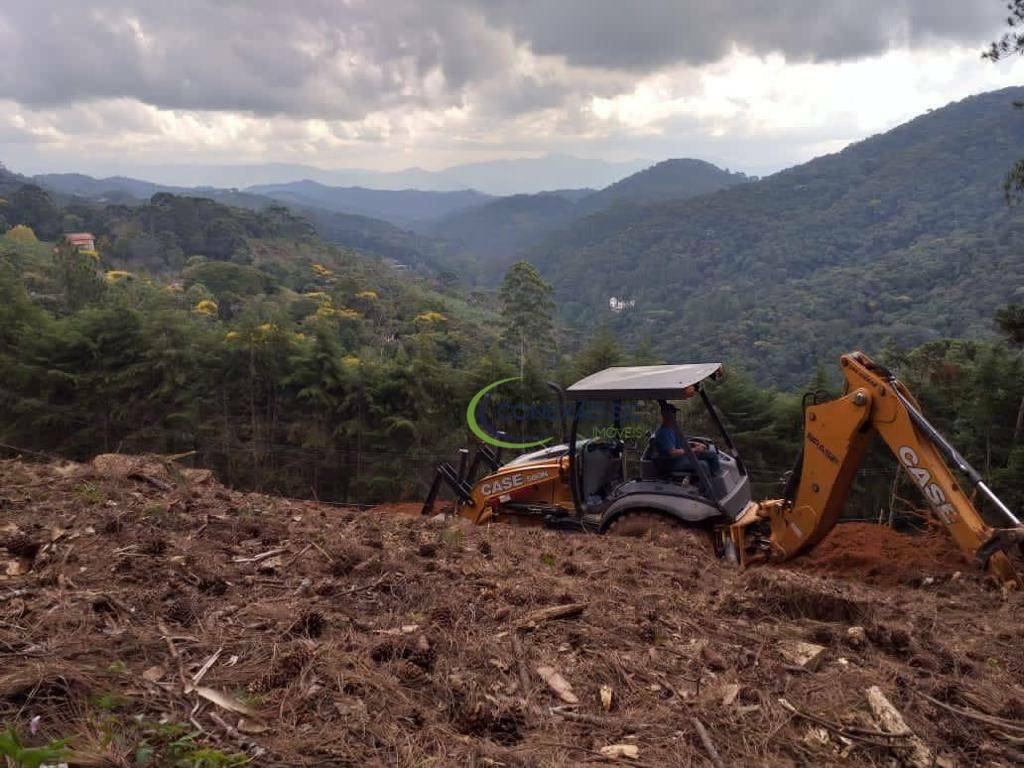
(917, 755)
(558, 684)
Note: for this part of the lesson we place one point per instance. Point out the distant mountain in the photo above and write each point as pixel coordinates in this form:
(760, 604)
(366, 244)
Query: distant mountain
(500, 177)
(81, 185)
(369, 235)
(403, 207)
(10, 181)
(534, 175)
(668, 180)
(128, 191)
(485, 239)
(902, 238)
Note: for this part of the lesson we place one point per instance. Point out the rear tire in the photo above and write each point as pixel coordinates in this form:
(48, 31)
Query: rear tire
(651, 524)
(643, 523)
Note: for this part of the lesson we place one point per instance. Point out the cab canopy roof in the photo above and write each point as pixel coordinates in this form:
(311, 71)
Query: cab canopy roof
(643, 382)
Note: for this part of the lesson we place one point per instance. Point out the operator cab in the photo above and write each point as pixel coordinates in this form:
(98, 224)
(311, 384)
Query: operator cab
(602, 489)
(729, 478)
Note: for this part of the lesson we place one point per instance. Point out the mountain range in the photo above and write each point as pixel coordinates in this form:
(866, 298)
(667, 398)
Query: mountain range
(484, 240)
(404, 206)
(473, 234)
(897, 240)
(495, 177)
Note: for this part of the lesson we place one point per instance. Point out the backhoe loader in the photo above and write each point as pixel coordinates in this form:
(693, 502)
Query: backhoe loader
(587, 487)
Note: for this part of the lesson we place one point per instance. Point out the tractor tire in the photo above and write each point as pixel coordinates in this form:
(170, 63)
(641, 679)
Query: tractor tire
(643, 523)
(652, 524)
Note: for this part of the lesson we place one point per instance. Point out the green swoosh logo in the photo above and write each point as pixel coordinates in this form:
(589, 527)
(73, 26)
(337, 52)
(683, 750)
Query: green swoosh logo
(480, 432)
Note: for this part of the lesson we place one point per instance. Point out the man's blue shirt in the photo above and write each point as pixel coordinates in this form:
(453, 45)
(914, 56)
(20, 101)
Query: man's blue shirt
(666, 439)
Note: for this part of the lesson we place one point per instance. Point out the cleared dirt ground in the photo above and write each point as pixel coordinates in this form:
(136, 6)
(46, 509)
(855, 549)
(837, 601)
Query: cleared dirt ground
(160, 619)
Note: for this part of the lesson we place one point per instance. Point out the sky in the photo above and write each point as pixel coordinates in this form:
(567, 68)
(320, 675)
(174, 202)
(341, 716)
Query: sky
(103, 86)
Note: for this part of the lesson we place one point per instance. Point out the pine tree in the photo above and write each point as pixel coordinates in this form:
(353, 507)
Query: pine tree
(601, 352)
(1011, 44)
(526, 308)
(1010, 320)
(78, 276)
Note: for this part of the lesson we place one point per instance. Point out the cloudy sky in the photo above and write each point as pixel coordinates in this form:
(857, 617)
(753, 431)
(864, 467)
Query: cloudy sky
(756, 85)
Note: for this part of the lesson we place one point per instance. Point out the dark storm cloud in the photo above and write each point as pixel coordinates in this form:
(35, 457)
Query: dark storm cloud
(655, 33)
(327, 58)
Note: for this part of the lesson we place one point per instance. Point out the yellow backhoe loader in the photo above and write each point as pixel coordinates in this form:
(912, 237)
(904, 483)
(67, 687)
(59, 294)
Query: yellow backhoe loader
(587, 487)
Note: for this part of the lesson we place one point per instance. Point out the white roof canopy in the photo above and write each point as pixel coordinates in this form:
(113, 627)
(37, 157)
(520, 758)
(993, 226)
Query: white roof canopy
(643, 382)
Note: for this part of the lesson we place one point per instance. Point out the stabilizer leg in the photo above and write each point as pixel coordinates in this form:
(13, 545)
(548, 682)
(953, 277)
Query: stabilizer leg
(446, 473)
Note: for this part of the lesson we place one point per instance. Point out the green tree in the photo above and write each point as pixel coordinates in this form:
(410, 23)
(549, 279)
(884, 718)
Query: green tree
(601, 352)
(526, 308)
(31, 206)
(1011, 44)
(78, 276)
(1010, 320)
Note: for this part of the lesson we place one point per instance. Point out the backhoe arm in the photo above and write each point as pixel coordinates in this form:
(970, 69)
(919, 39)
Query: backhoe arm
(837, 435)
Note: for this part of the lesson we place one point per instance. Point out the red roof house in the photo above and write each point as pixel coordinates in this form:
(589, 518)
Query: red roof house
(83, 241)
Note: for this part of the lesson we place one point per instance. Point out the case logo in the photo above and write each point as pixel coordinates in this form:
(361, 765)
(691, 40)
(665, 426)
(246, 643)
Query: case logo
(932, 492)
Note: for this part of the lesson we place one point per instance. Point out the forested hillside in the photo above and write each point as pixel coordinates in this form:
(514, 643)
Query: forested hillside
(902, 238)
(667, 180)
(280, 360)
(481, 242)
(371, 236)
(285, 363)
(469, 235)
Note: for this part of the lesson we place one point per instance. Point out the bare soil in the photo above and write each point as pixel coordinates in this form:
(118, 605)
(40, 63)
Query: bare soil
(876, 554)
(150, 616)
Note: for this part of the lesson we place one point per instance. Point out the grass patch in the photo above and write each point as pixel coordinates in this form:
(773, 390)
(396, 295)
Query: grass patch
(91, 494)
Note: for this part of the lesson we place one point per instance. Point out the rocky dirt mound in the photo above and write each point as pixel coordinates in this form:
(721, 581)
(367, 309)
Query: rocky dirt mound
(156, 619)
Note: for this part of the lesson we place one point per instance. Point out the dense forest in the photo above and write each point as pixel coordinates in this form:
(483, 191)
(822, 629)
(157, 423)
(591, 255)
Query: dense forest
(281, 360)
(902, 239)
(481, 242)
(286, 363)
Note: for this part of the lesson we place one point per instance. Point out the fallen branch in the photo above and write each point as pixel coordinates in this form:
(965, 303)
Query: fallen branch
(150, 480)
(261, 556)
(970, 714)
(917, 754)
(578, 717)
(234, 733)
(17, 593)
(323, 552)
(166, 635)
(524, 669)
(173, 650)
(574, 747)
(198, 677)
(303, 551)
(864, 735)
(709, 745)
(554, 612)
(558, 684)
